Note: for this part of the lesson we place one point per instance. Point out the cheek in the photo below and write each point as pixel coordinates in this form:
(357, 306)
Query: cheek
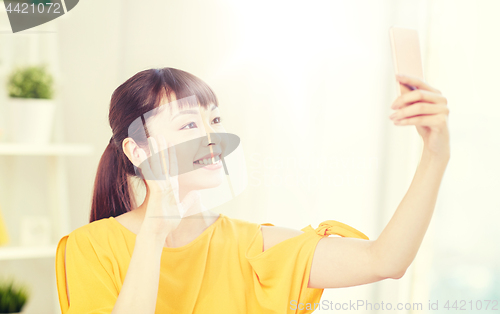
(186, 153)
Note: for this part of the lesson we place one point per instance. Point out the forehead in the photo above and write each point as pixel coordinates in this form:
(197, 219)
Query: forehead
(169, 112)
(174, 106)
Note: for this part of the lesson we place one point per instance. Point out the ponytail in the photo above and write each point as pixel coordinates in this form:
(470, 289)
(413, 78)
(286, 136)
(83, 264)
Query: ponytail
(112, 193)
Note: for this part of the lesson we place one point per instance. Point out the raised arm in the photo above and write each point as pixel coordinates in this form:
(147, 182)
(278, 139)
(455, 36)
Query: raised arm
(343, 262)
(140, 288)
(90, 284)
(400, 240)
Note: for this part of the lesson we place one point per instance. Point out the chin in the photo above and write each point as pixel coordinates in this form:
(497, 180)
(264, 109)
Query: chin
(202, 179)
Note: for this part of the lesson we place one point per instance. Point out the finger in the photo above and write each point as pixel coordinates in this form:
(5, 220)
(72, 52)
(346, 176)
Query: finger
(419, 108)
(155, 158)
(172, 160)
(172, 182)
(415, 82)
(163, 154)
(173, 179)
(417, 95)
(424, 120)
(144, 165)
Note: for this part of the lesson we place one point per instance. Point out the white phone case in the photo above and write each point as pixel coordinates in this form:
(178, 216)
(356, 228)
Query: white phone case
(406, 54)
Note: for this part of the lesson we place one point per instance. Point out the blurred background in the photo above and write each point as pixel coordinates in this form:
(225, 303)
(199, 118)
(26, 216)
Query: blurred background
(308, 88)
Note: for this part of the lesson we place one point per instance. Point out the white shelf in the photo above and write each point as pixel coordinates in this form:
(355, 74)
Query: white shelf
(27, 252)
(45, 149)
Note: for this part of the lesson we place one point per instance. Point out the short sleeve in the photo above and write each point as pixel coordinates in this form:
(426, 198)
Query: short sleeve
(281, 273)
(89, 273)
(330, 227)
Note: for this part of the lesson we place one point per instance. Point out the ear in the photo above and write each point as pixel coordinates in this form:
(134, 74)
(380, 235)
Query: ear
(133, 151)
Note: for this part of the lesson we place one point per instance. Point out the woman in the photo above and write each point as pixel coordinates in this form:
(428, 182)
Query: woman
(172, 255)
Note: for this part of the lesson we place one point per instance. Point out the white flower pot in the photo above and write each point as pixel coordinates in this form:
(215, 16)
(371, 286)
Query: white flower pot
(31, 120)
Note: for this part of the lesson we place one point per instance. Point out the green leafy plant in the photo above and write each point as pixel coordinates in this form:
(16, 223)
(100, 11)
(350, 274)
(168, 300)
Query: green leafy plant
(12, 299)
(30, 82)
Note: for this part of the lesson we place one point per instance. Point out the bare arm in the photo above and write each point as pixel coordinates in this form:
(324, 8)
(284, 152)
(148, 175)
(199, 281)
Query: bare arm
(344, 262)
(400, 240)
(140, 287)
(426, 108)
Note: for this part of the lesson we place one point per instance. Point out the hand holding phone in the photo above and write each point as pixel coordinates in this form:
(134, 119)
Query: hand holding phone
(406, 55)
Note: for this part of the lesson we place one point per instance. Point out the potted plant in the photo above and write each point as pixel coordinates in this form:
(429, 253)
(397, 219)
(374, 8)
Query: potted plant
(12, 299)
(32, 108)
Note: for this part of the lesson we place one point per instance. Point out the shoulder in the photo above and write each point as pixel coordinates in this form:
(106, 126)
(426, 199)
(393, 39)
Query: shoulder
(271, 234)
(241, 227)
(95, 227)
(91, 234)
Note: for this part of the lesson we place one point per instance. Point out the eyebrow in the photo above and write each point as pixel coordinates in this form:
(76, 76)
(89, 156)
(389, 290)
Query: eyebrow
(190, 112)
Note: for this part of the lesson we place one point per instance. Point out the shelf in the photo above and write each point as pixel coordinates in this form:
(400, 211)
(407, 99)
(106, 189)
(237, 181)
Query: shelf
(44, 149)
(27, 252)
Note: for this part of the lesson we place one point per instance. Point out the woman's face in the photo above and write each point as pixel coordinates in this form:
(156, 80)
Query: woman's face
(195, 134)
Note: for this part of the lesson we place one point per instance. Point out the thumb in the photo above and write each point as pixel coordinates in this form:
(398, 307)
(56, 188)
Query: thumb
(189, 200)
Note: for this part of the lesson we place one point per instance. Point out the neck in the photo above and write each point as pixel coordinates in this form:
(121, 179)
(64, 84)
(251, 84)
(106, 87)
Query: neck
(198, 218)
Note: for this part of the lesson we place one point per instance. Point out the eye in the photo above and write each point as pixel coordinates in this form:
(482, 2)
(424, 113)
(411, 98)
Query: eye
(191, 125)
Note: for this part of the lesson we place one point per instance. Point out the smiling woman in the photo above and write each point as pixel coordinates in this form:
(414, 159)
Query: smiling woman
(171, 254)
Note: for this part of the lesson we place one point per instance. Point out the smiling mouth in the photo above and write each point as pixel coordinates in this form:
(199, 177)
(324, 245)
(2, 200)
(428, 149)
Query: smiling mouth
(207, 161)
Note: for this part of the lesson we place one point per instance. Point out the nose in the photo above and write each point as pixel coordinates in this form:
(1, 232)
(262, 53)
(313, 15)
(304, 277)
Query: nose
(211, 138)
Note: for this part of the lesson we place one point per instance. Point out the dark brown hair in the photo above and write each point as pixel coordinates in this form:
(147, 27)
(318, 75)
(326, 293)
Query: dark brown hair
(140, 94)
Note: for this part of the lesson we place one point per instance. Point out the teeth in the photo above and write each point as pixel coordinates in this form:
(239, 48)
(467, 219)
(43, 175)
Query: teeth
(208, 161)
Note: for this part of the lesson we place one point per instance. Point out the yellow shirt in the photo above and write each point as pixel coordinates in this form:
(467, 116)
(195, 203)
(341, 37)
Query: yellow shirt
(223, 270)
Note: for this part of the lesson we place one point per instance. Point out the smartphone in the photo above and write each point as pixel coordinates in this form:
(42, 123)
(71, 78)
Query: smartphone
(406, 55)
